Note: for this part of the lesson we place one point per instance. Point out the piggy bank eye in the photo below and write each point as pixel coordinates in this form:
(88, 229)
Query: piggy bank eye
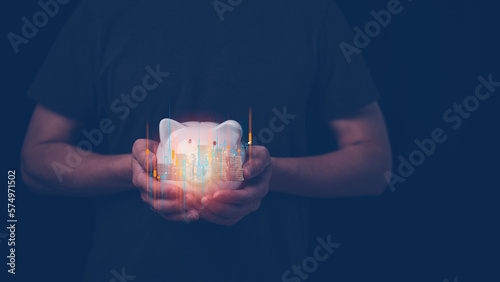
(189, 141)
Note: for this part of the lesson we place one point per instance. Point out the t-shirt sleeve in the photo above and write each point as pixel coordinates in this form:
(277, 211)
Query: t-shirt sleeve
(66, 80)
(344, 82)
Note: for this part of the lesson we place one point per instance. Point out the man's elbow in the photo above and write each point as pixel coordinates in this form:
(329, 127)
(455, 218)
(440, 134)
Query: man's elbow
(28, 177)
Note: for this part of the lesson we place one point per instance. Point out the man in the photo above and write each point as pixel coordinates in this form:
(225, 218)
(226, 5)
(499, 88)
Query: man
(118, 66)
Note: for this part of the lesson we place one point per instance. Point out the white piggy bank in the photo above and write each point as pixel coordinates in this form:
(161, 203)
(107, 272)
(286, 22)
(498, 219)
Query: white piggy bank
(200, 157)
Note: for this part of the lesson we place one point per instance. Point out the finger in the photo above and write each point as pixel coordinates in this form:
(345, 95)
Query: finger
(257, 162)
(211, 217)
(144, 144)
(166, 206)
(163, 191)
(225, 210)
(149, 185)
(140, 178)
(240, 197)
(144, 151)
(252, 190)
(191, 215)
(196, 202)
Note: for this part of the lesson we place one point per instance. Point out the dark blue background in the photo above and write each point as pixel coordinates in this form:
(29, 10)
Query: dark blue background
(441, 223)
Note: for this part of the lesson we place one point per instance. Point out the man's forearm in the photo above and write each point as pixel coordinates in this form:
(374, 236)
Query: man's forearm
(353, 171)
(52, 170)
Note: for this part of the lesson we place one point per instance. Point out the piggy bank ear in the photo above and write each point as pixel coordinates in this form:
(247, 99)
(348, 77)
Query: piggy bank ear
(230, 130)
(167, 126)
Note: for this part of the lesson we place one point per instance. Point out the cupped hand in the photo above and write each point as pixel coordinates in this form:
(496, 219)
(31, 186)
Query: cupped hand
(166, 199)
(227, 207)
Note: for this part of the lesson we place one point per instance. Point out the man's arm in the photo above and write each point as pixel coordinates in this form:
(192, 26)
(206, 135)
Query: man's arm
(45, 151)
(46, 145)
(356, 169)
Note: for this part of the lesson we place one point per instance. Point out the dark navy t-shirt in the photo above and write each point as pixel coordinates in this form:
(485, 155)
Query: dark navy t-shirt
(137, 62)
